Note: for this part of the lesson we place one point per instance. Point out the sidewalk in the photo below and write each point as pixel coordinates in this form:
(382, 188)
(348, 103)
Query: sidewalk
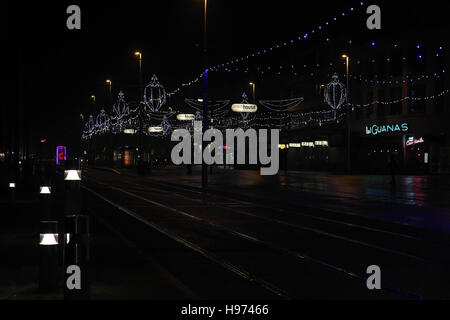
(118, 269)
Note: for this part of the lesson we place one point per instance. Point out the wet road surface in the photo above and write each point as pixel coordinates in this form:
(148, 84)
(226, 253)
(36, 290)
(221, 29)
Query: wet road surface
(290, 251)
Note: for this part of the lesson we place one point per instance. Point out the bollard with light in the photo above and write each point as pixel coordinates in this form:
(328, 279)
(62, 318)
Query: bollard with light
(45, 201)
(12, 191)
(48, 256)
(77, 258)
(72, 179)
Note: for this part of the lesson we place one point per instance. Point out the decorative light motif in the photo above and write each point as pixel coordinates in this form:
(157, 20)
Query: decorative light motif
(102, 122)
(244, 105)
(121, 108)
(154, 95)
(335, 94)
(281, 105)
(90, 125)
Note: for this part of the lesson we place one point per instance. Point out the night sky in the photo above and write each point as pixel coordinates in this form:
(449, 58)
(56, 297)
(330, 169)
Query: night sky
(58, 69)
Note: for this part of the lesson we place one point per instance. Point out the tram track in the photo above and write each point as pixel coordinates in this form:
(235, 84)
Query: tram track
(256, 240)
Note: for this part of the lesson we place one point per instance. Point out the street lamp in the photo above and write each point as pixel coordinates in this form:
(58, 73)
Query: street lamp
(346, 57)
(138, 54)
(109, 84)
(205, 100)
(253, 87)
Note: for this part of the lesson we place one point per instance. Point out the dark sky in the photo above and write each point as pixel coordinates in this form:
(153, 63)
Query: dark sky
(58, 69)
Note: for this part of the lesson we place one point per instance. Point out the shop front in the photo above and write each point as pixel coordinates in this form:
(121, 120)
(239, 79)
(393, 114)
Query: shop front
(407, 144)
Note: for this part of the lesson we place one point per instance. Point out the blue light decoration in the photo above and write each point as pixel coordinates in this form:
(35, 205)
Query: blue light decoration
(390, 128)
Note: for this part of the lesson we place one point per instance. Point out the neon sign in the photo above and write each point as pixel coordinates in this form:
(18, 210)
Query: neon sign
(308, 144)
(61, 154)
(375, 129)
(412, 141)
(244, 107)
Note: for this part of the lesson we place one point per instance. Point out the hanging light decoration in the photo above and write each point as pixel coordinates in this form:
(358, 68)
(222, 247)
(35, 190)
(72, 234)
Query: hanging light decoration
(335, 94)
(121, 108)
(154, 95)
(102, 122)
(244, 109)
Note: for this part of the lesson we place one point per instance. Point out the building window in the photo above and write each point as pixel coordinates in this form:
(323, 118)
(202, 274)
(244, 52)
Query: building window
(369, 99)
(439, 102)
(417, 106)
(396, 95)
(381, 109)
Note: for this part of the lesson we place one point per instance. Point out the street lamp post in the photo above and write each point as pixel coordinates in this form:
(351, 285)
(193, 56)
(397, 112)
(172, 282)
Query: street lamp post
(253, 89)
(346, 57)
(205, 99)
(94, 149)
(138, 54)
(111, 139)
(109, 84)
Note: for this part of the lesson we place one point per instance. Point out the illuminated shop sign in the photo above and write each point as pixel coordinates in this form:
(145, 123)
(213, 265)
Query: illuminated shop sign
(375, 129)
(303, 144)
(321, 143)
(186, 117)
(307, 144)
(61, 154)
(413, 141)
(155, 129)
(127, 158)
(244, 107)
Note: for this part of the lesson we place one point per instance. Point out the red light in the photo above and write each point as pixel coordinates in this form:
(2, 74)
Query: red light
(43, 140)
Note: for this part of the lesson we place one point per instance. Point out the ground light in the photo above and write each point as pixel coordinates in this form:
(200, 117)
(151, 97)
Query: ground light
(72, 175)
(45, 190)
(48, 256)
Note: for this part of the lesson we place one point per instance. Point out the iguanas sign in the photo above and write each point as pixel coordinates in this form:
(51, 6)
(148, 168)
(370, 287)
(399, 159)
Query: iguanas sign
(386, 128)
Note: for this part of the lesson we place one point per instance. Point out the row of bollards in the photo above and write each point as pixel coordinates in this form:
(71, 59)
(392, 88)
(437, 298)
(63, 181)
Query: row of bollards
(64, 243)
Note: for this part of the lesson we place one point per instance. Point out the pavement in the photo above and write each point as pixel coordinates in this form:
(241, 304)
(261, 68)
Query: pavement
(118, 269)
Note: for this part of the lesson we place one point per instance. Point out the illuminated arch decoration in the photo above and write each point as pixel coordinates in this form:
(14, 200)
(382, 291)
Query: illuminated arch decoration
(241, 107)
(162, 128)
(103, 122)
(335, 94)
(121, 108)
(154, 95)
(217, 110)
(286, 105)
